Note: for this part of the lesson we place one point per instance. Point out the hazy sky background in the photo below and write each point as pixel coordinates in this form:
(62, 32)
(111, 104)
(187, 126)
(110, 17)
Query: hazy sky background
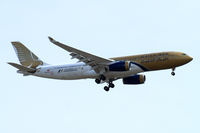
(107, 28)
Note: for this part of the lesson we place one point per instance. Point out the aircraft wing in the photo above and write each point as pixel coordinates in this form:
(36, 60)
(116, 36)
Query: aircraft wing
(94, 61)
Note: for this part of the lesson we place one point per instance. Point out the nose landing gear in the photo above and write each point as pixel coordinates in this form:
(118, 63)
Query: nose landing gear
(173, 73)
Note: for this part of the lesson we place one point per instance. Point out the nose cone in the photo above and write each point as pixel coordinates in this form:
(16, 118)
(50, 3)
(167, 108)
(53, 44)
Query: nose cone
(188, 59)
(181, 59)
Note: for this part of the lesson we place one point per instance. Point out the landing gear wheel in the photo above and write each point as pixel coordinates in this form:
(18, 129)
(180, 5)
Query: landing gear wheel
(111, 85)
(97, 81)
(173, 73)
(106, 88)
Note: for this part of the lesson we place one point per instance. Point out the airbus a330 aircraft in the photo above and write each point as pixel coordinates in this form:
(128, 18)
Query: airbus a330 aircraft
(94, 67)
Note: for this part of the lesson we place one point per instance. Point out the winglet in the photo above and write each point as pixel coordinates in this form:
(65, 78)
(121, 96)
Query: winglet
(51, 39)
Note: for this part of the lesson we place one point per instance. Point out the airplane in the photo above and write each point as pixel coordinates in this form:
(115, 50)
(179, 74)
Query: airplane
(102, 70)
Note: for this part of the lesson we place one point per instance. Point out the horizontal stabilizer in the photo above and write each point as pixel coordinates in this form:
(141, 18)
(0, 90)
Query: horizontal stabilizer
(22, 68)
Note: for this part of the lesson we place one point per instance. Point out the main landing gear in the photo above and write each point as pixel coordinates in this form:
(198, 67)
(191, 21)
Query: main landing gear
(173, 73)
(103, 78)
(110, 85)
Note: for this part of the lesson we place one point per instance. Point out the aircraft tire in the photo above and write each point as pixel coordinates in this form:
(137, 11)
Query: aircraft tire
(173, 73)
(97, 81)
(106, 88)
(111, 85)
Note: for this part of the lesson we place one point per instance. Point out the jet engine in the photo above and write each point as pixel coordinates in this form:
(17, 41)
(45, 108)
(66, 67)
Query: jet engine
(136, 79)
(120, 66)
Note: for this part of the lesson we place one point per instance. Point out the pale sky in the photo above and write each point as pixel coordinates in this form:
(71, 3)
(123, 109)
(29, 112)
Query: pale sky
(107, 28)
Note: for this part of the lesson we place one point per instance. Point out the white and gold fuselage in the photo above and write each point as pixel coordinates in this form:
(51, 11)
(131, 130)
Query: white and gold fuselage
(141, 63)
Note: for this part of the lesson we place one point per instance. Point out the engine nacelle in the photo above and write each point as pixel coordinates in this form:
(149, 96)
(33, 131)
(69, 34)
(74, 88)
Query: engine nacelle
(120, 66)
(136, 79)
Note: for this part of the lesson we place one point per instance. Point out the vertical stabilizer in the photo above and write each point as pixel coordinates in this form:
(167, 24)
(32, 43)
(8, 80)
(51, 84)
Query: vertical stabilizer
(25, 56)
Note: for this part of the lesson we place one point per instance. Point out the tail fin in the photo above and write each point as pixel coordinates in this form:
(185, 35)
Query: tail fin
(25, 56)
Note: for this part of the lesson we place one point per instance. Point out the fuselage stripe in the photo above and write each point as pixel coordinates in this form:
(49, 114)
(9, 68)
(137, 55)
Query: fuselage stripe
(142, 67)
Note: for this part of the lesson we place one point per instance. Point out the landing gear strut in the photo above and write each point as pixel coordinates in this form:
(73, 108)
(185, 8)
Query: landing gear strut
(173, 73)
(102, 77)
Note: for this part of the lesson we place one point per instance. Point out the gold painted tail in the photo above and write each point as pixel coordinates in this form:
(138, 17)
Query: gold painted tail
(25, 56)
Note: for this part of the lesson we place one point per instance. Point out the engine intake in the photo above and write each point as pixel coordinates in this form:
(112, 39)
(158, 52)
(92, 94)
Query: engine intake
(136, 79)
(120, 66)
